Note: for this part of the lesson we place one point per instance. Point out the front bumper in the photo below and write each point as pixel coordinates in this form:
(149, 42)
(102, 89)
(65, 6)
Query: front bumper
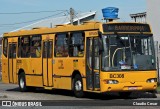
(127, 86)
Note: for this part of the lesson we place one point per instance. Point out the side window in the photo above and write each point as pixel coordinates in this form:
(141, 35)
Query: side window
(5, 46)
(25, 46)
(61, 45)
(36, 46)
(76, 45)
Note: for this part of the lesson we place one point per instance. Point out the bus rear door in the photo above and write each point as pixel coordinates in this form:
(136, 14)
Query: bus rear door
(12, 63)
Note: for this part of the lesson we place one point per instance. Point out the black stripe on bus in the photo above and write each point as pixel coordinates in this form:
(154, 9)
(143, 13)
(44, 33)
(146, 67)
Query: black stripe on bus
(60, 76)
(34, 74)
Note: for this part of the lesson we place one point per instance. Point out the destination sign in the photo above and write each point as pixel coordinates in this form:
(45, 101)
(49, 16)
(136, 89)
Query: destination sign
(126, 27)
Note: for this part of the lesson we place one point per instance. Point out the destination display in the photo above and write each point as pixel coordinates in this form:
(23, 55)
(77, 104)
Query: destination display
(125, 27)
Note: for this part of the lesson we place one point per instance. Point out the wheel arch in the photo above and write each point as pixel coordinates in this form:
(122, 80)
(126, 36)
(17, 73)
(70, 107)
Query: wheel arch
(21, 71)
(75, 72)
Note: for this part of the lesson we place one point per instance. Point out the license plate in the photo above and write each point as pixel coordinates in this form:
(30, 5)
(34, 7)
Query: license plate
(132, 88)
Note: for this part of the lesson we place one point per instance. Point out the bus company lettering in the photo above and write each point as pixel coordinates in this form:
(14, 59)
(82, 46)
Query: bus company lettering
(93, 33)
(60, 64)
(116, 75)
(130, 28)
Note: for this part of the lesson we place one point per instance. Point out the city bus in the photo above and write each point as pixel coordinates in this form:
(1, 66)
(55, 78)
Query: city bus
(91, 57)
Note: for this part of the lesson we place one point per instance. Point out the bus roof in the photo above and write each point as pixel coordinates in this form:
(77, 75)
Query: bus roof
(57, 29)
(91, 25)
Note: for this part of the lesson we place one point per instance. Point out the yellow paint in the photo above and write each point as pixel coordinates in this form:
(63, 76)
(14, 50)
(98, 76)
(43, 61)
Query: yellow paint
(32, 80)
(62, 83)
(48, 88)
(60, 69)
(91, 33)
(131, 78)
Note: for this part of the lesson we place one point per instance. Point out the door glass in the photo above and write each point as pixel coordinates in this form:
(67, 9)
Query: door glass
(92, 63)
(96, 54)
(50, 48)
(12, 51)
(44, 49)
(47, 49)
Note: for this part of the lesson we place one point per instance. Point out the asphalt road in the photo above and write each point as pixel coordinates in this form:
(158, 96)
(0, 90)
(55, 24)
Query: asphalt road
(11, 92)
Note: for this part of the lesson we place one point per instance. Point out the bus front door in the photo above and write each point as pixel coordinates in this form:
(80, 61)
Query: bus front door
(12, 63)
(47, 63)
(92, 64)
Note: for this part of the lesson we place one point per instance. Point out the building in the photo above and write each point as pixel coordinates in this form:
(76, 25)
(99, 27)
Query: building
(152, 16)
(139, 17)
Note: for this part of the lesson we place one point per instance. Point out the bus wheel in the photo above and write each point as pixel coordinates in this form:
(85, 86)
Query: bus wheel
(22, 82)
(78, 86)
(125, 94)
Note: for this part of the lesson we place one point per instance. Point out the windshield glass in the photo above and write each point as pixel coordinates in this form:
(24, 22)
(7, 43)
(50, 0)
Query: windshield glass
(128, 52)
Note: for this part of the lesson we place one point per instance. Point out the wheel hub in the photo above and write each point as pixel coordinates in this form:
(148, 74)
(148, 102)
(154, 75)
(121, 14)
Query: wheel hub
(78, 85)
(21, 83)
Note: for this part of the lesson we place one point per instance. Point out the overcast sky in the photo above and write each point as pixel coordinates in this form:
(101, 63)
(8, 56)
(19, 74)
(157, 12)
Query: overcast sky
(126, 7)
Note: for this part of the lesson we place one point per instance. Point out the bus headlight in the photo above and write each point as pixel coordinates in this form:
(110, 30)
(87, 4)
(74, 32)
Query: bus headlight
(111, 81)
(151, 80)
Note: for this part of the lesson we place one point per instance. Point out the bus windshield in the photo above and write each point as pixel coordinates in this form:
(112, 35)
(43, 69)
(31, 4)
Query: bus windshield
(128, 52)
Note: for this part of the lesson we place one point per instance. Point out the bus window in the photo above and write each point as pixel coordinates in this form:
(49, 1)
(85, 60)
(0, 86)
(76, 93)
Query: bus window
(36, 46)
(25, 47)
(76, 45)
(5, 46)
(61, 45)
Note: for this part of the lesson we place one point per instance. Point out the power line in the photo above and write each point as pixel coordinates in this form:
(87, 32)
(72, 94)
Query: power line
(32, 12)
(10, 26)
(31, 20)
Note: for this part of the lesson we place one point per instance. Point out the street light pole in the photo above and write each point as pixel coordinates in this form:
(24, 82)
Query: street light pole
(71, 15)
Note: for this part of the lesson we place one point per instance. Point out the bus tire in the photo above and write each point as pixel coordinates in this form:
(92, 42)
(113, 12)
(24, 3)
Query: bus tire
(125, 94)
(22, 82)
(78, 86)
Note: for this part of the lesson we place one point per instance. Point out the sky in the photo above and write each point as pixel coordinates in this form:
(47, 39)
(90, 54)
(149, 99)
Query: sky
(9, 22)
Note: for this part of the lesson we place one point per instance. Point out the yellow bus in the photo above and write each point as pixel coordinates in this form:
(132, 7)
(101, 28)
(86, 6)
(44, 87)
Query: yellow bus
(92, 57)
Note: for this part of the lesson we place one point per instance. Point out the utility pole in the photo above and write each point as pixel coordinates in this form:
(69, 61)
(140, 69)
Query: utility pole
(71, 15)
